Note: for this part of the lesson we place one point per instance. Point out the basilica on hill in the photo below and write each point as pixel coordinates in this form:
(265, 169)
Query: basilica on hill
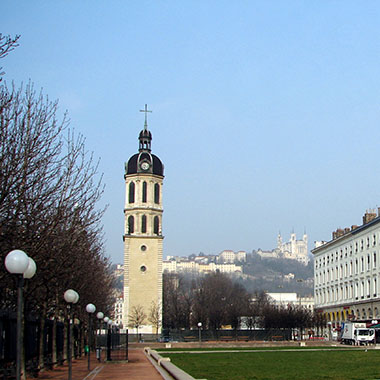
(293, 249)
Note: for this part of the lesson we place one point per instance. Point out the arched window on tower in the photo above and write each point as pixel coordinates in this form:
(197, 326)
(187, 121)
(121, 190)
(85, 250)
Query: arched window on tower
(156, 193)
(131, 225)
(131, 197)
(144, 192)
(143, 224)
(156, 225)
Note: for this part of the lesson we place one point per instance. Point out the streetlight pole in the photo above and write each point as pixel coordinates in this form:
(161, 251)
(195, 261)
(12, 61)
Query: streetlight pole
(17, 262)
(90, 308)
(100, 316)
(199, 332)
(71, 297)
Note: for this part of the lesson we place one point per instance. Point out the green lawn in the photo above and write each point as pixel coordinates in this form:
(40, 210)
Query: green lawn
(312, 365)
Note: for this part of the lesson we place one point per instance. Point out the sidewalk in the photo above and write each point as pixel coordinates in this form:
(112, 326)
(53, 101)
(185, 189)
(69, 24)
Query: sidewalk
(137, 368)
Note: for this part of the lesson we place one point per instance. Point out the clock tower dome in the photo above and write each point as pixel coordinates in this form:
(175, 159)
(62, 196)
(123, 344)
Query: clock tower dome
(144, 174)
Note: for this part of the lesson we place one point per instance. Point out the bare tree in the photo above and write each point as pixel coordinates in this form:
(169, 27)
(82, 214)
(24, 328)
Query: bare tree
(137, 318)
(7, 44)
(49, 190)
(155, 315)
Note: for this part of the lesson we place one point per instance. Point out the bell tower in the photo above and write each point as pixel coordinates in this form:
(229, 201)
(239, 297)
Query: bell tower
(144, 174)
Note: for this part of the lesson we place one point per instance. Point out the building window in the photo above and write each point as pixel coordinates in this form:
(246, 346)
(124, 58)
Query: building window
(374, 239)
(143, 224)
(362, 264)
(143, 268)
(368, 262)
(374, 287)
(369, 288)
(144, 191)
(156, 193)
(374, 259)
(143, 248)
(131, 224)
(131, 197)
(156, 225)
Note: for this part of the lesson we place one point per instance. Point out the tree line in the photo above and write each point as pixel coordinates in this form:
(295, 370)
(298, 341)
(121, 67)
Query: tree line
(50, 189)
(216, 300)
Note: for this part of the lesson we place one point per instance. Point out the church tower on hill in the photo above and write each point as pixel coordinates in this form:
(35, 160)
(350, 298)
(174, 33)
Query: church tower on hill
(144, 174)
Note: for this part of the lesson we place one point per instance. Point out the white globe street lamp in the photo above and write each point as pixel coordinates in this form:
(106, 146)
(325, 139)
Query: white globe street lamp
(19, 263)
(100, 316)
(108, 322)
(90, 308)
(71, 297)
(31, 269)
(199, 331)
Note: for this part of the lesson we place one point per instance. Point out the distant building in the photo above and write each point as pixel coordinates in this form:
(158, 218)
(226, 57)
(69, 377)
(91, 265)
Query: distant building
(228, 256)
(286, 299)
(289, 276)
(118, 308)
(184, 265)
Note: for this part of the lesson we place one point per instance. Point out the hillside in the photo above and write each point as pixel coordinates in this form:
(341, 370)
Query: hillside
(270, 274)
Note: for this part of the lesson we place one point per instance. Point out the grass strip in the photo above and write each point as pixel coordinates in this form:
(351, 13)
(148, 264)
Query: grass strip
(296, 365)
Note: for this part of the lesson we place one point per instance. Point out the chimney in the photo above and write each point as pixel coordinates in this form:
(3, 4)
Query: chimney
(339, 232)
(346, 230)
(369, 216)
(354, 227)
(334, 235)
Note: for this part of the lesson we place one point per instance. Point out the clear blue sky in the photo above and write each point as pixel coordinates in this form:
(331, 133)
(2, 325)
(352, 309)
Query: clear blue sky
(266, 114)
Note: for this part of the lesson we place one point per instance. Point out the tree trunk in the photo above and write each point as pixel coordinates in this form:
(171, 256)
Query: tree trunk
(41, 363)
(54, 343)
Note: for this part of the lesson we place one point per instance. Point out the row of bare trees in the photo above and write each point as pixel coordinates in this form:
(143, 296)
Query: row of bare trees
(216, 300)
(49, 193)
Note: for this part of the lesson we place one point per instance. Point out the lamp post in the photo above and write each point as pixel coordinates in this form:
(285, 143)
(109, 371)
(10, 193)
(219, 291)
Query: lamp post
(90, 308)
(19, 263)
(109, 324)
(71, 297)
(100, 316)
(199, 331)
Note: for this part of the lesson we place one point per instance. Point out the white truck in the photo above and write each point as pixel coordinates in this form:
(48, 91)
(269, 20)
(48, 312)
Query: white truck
(357, 333)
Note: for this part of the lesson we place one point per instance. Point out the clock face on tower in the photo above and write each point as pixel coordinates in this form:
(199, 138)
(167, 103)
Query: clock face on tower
(144, 165)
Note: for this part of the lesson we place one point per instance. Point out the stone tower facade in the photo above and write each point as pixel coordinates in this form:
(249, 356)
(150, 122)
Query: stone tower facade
(144, 174)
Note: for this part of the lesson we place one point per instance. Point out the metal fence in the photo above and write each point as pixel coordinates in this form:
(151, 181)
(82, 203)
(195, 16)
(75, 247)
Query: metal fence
(112, 345)
(226, 335)
(44, 344)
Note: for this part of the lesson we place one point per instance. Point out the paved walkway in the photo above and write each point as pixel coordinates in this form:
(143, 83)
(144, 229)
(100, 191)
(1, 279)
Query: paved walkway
(137, 368)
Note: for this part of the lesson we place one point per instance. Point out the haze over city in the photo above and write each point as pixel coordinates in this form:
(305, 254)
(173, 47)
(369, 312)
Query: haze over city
(265, 114)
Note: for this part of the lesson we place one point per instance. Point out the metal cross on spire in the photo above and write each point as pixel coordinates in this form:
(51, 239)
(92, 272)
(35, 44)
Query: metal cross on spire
(146, 116)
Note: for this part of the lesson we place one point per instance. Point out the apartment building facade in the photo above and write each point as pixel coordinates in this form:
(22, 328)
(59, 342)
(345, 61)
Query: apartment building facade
(347, 273)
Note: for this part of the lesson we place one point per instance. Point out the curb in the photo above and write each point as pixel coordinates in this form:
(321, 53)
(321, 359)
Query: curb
(165, 364)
